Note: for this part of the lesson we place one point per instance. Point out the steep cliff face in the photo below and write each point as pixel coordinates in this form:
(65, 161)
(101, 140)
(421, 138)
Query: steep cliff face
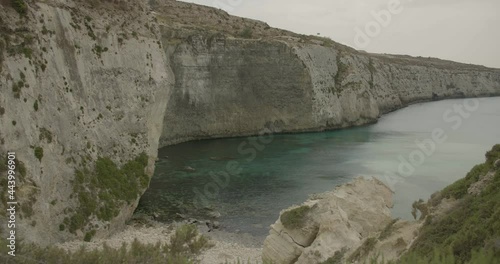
(232, 87)
(75, 87)
(89, 93)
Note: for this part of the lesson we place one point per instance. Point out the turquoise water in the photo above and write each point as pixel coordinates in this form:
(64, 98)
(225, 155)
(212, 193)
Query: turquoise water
(255, 178)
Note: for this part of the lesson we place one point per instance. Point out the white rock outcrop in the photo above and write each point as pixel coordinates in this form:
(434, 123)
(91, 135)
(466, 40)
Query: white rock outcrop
(337, 221)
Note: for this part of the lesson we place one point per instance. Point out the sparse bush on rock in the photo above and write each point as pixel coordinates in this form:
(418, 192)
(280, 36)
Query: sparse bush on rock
(294, 219)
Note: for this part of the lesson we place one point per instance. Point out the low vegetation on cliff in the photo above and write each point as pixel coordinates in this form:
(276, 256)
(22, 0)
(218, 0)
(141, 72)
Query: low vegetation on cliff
(184, 247)
(295, 218)
(460, 224)
(113, 186)
(473, 225)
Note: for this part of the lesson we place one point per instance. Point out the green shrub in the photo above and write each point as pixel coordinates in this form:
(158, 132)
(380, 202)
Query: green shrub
(89, 235)
(469, 225)
(102, 190)
(187, 242)
(134, 253)
(295, 218)
(363, 250)
(39, 153)
(16, 89)
(35, 105)
(493, 155)
(246, 33)
(446, 257)
(20, 6)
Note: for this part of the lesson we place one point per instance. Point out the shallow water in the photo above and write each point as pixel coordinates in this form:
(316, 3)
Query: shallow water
(275, 172)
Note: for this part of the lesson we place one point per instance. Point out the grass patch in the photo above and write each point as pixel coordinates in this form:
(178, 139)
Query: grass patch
(443, 257)
(136, 252)
(363, 250)
(459, 189)
(295, 218)
(186, 241)
(246, 33)
(387, 232)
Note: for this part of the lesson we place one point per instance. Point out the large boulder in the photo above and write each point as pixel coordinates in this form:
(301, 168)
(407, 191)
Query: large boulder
(329, 224)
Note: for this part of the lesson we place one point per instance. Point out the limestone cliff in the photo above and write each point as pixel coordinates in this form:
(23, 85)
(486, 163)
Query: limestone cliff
(233, 87)
(77, 84)
(89, 90)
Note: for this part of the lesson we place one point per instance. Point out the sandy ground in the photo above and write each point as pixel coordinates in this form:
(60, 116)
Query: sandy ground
(228, 248)
(231, 247)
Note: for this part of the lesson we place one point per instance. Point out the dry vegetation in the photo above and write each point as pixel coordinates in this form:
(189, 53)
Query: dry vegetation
(184, 247)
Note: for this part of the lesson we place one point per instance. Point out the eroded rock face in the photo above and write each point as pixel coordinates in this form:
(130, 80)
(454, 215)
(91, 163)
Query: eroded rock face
(337, 221)
(232, 87)
(82, 91)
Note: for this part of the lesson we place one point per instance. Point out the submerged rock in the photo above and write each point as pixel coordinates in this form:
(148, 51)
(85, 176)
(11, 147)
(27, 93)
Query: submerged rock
(189, 169)
(214, 214)
(332, 223)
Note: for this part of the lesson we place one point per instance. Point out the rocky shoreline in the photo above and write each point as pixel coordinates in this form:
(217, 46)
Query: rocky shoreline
(350, 224)
(227, 247)
(340, 220)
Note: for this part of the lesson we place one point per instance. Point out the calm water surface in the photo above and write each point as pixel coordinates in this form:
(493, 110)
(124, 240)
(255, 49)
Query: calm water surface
(291, 167)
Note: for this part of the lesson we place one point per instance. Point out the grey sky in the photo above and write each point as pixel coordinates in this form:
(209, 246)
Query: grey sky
(460, 30)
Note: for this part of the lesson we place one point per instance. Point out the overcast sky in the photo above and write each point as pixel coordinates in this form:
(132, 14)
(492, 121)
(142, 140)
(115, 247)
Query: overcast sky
(461, 30)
